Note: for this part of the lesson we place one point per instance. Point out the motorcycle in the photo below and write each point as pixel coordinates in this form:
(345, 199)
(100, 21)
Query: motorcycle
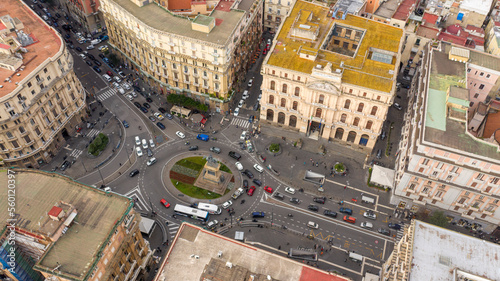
(242, 201)
(290, 215)
(140, 128)
(187, 143)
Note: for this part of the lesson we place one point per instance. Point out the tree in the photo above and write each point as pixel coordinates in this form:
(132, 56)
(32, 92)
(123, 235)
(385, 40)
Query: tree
(438, 218)
(114, 59)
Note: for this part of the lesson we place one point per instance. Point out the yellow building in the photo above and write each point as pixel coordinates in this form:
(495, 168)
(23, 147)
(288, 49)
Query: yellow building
(492, 36)
(69, 231)
(201, 57)
(41, 100)
(331, 78)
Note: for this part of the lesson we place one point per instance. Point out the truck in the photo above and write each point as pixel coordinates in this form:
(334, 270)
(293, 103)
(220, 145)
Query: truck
(202, 137)
(238, 193)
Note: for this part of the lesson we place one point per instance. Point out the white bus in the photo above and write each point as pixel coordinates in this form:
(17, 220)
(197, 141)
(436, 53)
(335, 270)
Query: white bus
(210, 208)
(189, 212)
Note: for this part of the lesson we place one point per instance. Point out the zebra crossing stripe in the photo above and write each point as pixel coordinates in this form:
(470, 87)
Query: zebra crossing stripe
(240, 122)
(92, 133)
(107, 94)
(76, 153)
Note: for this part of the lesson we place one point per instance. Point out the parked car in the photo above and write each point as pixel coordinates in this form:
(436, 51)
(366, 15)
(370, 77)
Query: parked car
(320, 200)
(138, 151)
(313, 208)
(78, 49)
(227, 204)
(162, 110)
(151, 143)
(180, 134)
(397, 106)
(125, 124)
(66, 164)
(345, 211)
(251, 190)
(138, 105)
(152, 118)
(257, 182)
(370, 215)
(330, 213)
(349, 219)
(150, 152)
(151, 161)
(290, 190)
(146, 105)
(250, 83)
(134, 173)
(295, 200)
(239, 166)
(384, 231)
(159, 116)
(137, 141)
(236, 111)
(97, 69)
(268, 189)
(160, 125)
(394, 226)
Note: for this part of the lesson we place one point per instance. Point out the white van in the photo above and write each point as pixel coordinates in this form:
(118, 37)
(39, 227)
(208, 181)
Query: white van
(95, 41)
(365, 199)
(312, 224)
(122, 91)
(107, 77)
(258, 168)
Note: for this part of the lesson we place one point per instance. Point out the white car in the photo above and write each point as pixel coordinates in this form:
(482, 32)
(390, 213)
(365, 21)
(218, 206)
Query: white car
(290, 190)
(91, 47)
(370, 215)
(250, 83)
(116, 85)
(240, 104)
(239, 166)
(82, 56)
(312, 224)
(144, 144)
(126, 86)
(139, 151)
(366, 225)
(151, 143)
(134, 94)
(227, 204)
(117, 79)
(180, 134)
(260, 96)
(258, 168)
(245, 95)
(102, 47)
(159, 116)
(137, 141)
(151, 161)
(236, 111)
(130, 97)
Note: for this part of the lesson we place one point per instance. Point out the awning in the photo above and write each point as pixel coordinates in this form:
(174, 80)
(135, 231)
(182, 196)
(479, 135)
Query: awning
(460, 16)
(146, 225)
(196, 118)
(382, 176)
(203, 121)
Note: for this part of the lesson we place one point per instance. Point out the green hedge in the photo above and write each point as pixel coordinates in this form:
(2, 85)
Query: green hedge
(99, 144)
(187, 102)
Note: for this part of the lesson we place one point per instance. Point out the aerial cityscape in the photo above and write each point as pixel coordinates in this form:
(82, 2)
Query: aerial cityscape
(250, 140)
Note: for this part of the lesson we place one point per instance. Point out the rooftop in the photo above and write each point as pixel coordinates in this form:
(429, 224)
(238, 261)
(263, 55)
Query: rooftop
(446, 73)
(161, 19)
(479, 6)
(97, 213)
(362, 66)
(442, 255)
(194, 255)
(46, 43)
(405, 10)
(387, 9)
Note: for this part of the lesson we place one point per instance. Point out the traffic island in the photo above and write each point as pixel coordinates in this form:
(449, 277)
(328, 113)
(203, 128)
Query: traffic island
(201, 177)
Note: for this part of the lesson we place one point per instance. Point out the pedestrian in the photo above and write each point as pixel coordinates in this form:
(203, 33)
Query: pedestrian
(249, 230)
(390, 216)
(279, 247)
(345, 260)
(120, 173)
(120, 164)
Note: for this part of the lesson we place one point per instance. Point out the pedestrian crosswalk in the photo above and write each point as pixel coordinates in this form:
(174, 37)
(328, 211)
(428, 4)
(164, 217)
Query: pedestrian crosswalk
(76, 153)
(107, 94)
(240, 122)
(173, 228)
(92, 133)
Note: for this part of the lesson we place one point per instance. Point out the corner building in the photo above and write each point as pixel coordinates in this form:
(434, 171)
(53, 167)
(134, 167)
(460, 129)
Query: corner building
(201, 57)
(42, 101)
(331, 76)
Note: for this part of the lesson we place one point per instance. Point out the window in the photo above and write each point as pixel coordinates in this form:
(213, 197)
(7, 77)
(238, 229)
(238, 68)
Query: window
(481, 86)
(343, 117)
(360, 107)
(321, 99)
(476, 95)
(7, 105)
(412, 186)
(318, 112)
(488, 76)
(27, 139)
(347, 104)
(15, 144)
(481, 74)
(9, 135)
(271, 99)
(273, 85)
(283, 103)
(480, 176)
(356, 122)
(425, 162)
(284, 88)
(369, 125)
(295, 105)
(37, 131)
(374, 111)
(297, 91)
(22, 130)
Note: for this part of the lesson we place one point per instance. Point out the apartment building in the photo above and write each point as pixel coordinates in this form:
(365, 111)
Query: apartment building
(440, 162)
(331, 75)
(428, 252)
(274, 12)
(41, 100)
(66, 230)
(86, 13)
(202, 57)
(492, 30)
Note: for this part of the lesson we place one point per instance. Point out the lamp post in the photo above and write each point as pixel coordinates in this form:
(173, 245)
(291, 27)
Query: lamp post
(84, 166)
(98, 169)
(128, 155)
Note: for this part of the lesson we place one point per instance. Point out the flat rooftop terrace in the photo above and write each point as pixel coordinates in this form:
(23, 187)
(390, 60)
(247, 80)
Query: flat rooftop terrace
(358, 69)
(47, 42)
(161, 19)
(37, 192)
(192, 240)
(439, 129)
(437, 252)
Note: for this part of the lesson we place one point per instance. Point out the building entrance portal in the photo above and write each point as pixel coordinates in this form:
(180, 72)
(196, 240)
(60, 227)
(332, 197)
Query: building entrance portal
(315, 130)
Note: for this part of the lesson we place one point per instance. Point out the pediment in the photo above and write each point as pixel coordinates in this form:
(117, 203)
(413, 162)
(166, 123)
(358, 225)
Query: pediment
(323, 86)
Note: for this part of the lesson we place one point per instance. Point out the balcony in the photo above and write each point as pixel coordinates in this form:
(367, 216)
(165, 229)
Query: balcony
(196, 75)
(488, 213)
(196, 84)
(205, 87)
(40, 81)
(171, 52)
(175, 79)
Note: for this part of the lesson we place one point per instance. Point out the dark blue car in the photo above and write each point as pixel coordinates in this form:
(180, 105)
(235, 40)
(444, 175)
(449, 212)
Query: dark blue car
(160, 125)
(143, 109)
(125, 124)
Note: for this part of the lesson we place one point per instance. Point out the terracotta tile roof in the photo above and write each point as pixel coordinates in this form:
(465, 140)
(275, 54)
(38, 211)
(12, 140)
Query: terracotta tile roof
(404, 10)
(179, 4)
(430, 18)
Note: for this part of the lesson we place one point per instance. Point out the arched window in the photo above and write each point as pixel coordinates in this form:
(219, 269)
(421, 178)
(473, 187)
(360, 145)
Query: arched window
(283, 103)
(321, 99)
(369, 125)
(374, 111)
(297, 91)
(318, 112)
(295, 105)
(271, 99)
(273, 85)
(343, 117)
(284, 88)
(292, 121)
(281, 118)
(356, 122)
(360, 107)
(270, 115)
(347, 104)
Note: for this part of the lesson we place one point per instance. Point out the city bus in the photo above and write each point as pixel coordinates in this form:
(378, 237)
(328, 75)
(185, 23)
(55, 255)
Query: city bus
(303, 254)
(210, 208)
(189, 212)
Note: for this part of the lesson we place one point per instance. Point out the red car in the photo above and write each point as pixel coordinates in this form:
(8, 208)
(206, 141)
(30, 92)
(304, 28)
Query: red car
(251, 190)
(268, 189)
(165, 203)
(264, 52)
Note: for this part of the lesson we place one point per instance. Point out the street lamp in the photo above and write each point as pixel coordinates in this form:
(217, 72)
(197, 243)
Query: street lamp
(103, 184)
(84, 166)
(126, 151)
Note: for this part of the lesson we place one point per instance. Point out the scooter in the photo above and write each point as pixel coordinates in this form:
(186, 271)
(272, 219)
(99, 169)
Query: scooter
(290, 215)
